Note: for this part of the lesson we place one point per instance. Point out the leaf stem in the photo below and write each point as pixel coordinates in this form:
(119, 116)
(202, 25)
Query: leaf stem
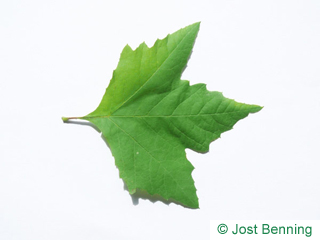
(66, 119)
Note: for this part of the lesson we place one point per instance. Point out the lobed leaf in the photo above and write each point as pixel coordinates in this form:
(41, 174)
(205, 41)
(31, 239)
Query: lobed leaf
(149, 116)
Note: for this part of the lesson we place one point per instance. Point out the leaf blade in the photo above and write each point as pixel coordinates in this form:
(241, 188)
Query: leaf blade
(149, 116)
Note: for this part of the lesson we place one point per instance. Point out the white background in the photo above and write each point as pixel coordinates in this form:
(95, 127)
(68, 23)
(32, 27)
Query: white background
(59, 181)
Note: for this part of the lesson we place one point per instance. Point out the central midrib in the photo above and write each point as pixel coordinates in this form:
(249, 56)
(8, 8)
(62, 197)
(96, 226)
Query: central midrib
(161, 116)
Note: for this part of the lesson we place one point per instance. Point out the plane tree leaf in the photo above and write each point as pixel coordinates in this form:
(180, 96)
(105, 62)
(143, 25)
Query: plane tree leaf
(149, 116)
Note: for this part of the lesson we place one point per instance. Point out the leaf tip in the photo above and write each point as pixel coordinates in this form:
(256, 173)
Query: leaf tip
(193, 205)
(196, 25)
(256, 108)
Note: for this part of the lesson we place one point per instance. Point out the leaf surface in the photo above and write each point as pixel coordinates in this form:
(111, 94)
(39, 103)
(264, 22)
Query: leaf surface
(149, 116)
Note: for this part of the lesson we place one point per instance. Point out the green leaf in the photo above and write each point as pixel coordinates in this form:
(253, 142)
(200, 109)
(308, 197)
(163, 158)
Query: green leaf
(149, 116)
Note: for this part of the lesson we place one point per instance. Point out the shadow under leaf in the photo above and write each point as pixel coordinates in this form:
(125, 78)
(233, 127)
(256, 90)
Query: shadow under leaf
(142, 194)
